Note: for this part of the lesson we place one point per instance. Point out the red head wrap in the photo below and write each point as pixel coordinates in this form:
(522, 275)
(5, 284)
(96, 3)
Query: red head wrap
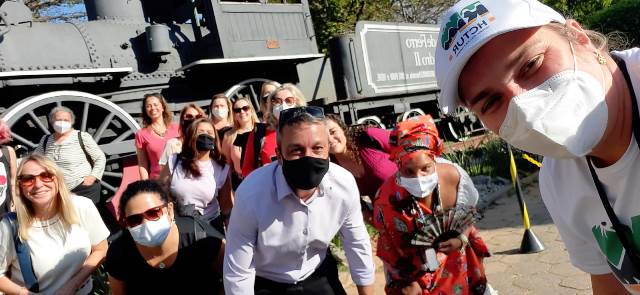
(417, 134)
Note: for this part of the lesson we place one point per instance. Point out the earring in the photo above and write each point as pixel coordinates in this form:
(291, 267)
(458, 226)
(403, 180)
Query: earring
(601, 59)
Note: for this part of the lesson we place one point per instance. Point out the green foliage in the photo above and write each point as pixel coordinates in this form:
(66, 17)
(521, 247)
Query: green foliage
(622, 17)
(578, 10)
(100, 282)
(490, 158)
(335, 17)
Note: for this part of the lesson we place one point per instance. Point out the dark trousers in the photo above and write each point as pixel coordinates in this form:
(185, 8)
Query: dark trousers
(89, 191)
(323, 281)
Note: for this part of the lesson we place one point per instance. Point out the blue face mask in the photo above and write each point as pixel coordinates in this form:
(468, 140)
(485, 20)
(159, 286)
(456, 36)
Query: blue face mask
(151, 233)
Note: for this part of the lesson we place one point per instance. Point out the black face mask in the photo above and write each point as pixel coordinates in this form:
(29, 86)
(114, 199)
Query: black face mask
(305, 173)
(205, 142)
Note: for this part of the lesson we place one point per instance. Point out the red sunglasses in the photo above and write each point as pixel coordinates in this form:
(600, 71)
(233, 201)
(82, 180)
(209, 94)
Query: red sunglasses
(29, 180)
(192, 117)
(152, 214)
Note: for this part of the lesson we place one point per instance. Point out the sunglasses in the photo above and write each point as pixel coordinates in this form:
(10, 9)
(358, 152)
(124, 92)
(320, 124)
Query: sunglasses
(242, 109)
(293, 113)
(152, 214)
(30, 180)
(288, 100)
(192, 117)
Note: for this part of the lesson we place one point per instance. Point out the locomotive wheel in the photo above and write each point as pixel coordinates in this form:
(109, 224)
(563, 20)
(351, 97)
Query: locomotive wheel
(410, 114)
(111, 127)
(373, 121)
(249, 88)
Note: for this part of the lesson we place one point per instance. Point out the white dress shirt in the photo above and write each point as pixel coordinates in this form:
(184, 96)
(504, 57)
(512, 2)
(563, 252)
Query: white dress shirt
(274, 235)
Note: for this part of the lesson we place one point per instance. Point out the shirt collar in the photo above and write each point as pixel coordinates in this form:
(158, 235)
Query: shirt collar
(283, 189)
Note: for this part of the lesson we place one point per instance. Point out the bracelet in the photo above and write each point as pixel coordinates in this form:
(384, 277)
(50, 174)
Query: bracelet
(464, 239)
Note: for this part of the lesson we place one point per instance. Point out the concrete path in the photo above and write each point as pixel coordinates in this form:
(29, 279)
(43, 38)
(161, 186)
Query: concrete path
(547, 272)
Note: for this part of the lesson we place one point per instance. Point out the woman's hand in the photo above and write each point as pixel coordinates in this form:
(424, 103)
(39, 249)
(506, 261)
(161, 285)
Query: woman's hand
(412, 289)
(450, 245)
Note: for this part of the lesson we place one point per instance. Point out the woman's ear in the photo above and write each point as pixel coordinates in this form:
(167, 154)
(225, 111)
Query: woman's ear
(578, 32)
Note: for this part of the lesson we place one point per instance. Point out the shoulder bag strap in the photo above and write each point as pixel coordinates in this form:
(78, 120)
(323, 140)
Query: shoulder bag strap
(621, 230)
(84, 149)
(24, 257)
(258, 137)
(45, 142)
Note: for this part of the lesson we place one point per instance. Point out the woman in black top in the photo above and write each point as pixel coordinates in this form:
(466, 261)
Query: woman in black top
(160, 252)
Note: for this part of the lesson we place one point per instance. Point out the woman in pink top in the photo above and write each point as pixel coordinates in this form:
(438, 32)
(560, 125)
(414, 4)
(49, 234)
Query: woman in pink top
(150, 140)
(364, 151)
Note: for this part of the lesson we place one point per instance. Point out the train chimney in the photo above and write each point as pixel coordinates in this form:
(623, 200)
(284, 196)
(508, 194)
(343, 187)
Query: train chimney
(130, 10)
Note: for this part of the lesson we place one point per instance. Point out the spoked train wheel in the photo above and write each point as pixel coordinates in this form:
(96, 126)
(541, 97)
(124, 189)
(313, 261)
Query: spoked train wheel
(111, 127)
(249, 88)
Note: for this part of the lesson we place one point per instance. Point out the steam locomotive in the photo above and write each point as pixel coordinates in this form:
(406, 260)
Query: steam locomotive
(191, 49)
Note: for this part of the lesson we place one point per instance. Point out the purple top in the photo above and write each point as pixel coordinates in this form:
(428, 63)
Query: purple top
(374, 153)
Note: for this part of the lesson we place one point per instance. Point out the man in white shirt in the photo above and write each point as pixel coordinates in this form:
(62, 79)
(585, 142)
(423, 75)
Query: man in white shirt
(286, 214)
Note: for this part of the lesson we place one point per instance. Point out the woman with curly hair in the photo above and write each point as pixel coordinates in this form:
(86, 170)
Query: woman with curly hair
(198, 176)
(364, 151)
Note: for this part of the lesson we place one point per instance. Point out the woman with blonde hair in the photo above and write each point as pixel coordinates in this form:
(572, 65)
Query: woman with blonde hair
(556, 91)
(261, 145)
(265, 92)
(150, 140)
(62, 235)
(233, 144)
(220, 111)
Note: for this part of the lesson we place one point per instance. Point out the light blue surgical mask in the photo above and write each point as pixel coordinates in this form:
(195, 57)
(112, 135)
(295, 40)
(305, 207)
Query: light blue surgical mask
(151, 233)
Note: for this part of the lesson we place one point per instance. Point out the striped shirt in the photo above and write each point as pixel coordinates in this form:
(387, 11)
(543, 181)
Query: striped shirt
(69, 156)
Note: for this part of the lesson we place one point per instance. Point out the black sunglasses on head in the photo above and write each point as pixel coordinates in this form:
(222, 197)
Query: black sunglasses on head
(292, 113)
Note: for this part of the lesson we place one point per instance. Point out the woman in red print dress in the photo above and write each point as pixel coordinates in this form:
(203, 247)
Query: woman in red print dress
(424, 184)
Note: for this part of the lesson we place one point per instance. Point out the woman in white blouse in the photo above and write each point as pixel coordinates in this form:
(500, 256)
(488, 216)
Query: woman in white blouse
(64, 233)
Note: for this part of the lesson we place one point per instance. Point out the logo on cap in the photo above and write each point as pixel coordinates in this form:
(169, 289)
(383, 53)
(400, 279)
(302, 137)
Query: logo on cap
(464, 25)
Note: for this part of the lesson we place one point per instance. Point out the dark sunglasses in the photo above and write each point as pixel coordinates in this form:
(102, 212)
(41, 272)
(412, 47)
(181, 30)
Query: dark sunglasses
(29, 180)
(152, 214)
(293, 113)
(192, 117)
(242, 109)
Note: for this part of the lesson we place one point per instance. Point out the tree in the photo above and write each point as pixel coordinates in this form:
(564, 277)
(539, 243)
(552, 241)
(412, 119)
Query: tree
(336, 17)
(56, 10)
(422, 11)
(621, 18)
(579, 9)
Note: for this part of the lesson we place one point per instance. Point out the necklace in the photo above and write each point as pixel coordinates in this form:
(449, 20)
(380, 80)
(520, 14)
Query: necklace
(159, 133)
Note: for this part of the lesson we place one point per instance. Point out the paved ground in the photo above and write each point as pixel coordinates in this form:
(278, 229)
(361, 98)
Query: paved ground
(547, 272)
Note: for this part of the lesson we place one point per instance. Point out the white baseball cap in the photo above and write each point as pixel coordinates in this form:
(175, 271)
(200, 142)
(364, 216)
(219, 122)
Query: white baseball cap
(468, 25)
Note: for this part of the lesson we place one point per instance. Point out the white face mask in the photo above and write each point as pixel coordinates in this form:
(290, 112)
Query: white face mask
(420, 186)
(61, 126)
(564, 117)
(279, 108)
(220, 113)
(151, 233)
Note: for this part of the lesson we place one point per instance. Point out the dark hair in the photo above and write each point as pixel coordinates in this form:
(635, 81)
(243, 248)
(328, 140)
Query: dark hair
(188, 155)
(166, 114)
(142, 186)
(352, 134)
(183, 127)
